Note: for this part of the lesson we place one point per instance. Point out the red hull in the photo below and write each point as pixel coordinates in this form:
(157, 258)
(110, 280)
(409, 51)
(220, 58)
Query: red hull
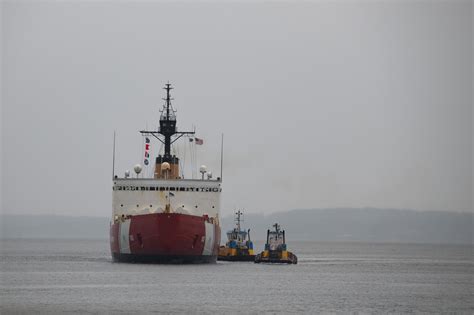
(165, 237)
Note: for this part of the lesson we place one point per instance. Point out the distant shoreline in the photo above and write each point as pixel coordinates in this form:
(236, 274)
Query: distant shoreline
(361, 225)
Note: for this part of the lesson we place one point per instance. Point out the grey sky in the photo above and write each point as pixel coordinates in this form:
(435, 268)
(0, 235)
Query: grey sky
(346, 104)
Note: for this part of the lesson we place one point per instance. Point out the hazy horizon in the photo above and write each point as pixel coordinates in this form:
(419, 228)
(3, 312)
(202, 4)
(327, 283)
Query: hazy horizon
(323, 105)
(360, 225)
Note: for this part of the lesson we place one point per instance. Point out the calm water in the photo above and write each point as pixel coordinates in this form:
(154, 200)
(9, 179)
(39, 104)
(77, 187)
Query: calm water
(79, 276)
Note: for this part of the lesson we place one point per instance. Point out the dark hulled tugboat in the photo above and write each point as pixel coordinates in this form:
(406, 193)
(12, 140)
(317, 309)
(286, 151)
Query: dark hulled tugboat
(237, 247)
(275, 249)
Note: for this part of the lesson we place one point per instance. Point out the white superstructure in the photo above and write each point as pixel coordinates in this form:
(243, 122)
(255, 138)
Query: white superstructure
(144, 196)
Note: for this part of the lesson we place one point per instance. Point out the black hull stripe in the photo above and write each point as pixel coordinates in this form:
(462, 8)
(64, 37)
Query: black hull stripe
(164, 259)
(237, 258)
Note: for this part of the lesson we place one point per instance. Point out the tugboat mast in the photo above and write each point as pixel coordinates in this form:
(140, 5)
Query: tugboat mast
(238, 215)
(277, 227)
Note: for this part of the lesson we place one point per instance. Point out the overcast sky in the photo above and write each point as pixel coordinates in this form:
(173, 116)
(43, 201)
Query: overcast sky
(347, 104)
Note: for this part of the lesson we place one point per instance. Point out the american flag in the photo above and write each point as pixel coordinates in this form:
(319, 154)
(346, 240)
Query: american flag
(198, 141)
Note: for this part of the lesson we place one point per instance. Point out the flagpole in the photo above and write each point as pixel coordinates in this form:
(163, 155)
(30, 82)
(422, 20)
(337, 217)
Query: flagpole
(222, 153)
(113, 159)
(141, 160)
(146, 170)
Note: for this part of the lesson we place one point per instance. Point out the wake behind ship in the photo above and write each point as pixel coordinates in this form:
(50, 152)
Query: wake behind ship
(166, 218)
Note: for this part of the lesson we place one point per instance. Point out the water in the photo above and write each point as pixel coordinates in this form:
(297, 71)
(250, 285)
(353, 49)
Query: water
(50, 276)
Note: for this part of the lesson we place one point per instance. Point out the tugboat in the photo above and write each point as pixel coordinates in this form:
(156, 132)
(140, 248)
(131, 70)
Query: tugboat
(275, 249)
(238, 247)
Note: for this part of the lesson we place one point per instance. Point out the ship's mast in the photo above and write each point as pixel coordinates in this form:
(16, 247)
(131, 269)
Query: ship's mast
(167, 126)
(167, 123)
(168, 88)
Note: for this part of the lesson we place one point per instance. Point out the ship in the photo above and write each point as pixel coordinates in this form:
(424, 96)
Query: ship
(165, 218)
(275, 249)
(239, 246)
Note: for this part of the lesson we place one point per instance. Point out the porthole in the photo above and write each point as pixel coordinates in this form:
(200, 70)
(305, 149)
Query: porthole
(212, 207)
(151, 206)
(121, 205)
(137, 206)
(196, 206)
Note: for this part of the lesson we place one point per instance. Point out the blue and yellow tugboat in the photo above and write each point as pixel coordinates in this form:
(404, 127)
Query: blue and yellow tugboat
(237, 247)
(275, 249)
